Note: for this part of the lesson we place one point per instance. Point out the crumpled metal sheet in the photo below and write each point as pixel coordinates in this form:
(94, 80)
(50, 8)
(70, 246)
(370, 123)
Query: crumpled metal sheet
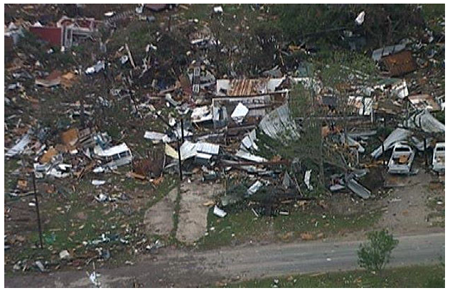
(425, 121)
(208, 148)
(20, 146)
(397, 135)
(358, 189)
(189, 149)
(249, 141)
(239, 113)
(279, 125)
(249, 157)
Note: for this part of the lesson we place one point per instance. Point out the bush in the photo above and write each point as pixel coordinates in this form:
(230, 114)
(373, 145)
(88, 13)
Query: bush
(375, 254)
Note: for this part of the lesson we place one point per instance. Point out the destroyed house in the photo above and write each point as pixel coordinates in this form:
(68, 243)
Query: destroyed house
(422, 102)
(246, 98)
(67, 31)
(249, 87)
(75, 28)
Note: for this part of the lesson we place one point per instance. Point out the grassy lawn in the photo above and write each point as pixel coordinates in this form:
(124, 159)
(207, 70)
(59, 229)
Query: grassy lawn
(432, 276)
(74, 221)
(244, 226)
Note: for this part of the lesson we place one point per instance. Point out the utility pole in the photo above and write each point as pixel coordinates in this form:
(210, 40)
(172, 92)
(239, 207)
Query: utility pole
(179, 159)
(37, 211)
(182, 131)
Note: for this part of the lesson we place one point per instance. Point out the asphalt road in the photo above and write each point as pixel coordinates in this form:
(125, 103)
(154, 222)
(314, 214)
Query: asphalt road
(193, 269)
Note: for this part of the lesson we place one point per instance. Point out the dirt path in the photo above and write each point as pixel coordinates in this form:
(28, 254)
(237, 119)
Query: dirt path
(193, 269)
(159, 218)
(407, 207)
(193, 214)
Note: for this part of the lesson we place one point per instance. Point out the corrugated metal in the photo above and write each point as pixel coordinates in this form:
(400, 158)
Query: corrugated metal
(358, 189)
(208, 148)
(279, 125)
(425, 121)
(249, 157)
(20, 146)
(247, 87)
(111, 151)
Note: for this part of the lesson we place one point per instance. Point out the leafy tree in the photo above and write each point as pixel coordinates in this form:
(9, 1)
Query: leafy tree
(383, 24)
(375, 254)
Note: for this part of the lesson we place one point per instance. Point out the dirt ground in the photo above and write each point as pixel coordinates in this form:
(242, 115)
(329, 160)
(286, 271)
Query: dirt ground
(191, 223)
(407, 208)
(158, 219)
(193, 214)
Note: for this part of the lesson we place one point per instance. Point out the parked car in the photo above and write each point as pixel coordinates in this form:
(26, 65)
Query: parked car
(439, 157)
(401, 159)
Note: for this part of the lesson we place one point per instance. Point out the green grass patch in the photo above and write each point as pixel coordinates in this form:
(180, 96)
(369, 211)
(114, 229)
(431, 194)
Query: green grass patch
(74, 218)
(244, 226)
(432, 276)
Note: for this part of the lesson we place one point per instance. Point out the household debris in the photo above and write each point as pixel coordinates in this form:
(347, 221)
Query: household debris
(203, 121)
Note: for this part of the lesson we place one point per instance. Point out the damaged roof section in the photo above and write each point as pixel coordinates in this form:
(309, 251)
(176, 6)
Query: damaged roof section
(247, 87)
(399, 64)
(386, 51)
(397, 135)
(426, 122)
(424, 102)
(279, 125)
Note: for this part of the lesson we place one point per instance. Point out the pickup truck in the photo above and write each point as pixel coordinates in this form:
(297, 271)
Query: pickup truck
(401, 159)
(439, 157)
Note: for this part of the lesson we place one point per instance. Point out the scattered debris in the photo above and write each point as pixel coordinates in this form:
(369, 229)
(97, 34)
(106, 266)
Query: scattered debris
(64, 255)
(219, 212)
(307, 179)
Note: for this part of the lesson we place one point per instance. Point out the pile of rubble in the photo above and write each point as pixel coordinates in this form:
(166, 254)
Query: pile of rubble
(216, 128)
